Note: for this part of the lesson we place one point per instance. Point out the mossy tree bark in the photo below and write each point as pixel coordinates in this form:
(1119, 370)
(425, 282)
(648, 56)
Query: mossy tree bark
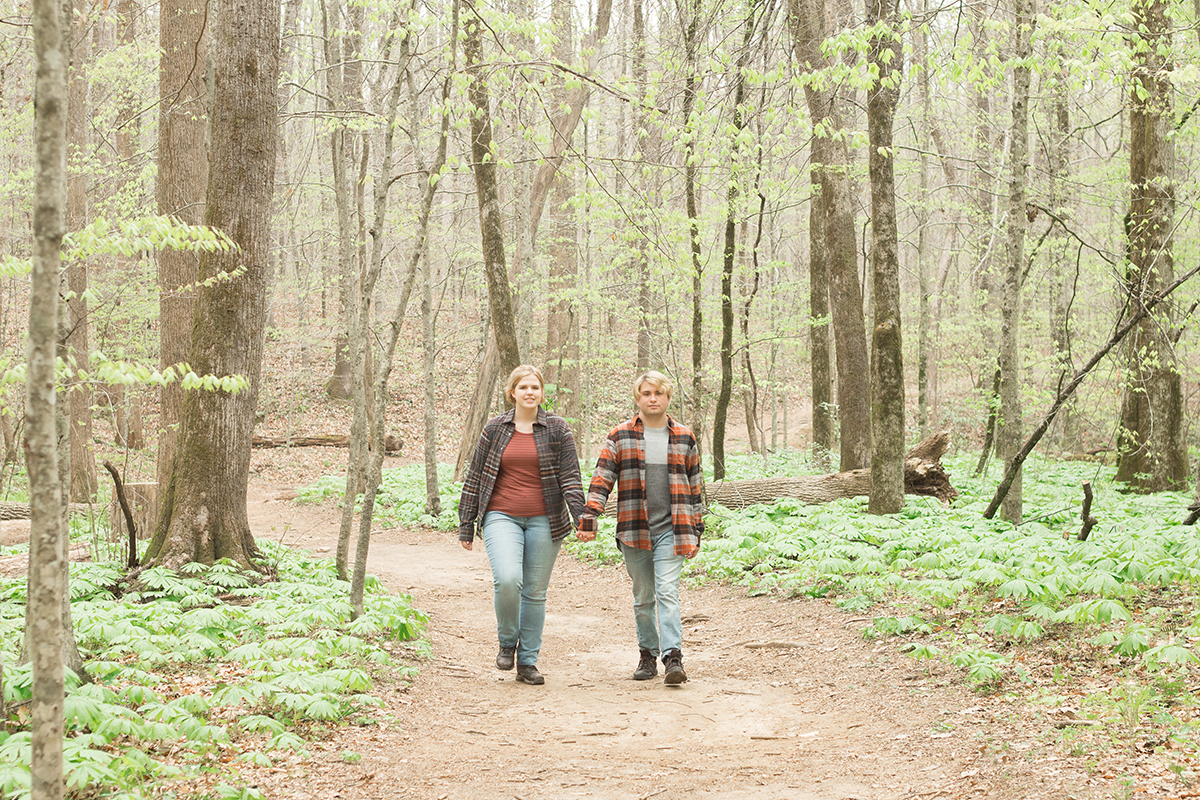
(203, 516)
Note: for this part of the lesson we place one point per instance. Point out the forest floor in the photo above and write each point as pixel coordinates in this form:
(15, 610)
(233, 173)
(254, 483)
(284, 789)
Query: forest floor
(786, 699)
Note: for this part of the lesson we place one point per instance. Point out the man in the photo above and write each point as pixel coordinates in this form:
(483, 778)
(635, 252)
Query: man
(656, 465)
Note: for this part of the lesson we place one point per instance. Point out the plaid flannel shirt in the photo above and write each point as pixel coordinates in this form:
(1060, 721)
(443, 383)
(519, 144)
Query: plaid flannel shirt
(558, 463)
(623, 462)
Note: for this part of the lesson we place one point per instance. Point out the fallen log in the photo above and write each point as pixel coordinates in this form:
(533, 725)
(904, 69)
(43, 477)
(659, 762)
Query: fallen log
(13, 511)
(923, 475)
(391, 444)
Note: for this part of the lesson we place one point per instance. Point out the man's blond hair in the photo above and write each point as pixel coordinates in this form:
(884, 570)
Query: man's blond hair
(514, 377)
(656, 380)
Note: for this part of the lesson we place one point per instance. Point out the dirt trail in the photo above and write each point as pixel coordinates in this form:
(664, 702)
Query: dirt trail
(786, 700)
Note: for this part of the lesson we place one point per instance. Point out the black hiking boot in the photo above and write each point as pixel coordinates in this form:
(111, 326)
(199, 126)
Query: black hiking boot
(647, 667)
(506, 657)
(673, 661)
(528, 673)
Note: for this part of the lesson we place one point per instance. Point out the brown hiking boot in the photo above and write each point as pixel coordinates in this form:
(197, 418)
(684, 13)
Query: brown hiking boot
(647, 668)
(673, 661)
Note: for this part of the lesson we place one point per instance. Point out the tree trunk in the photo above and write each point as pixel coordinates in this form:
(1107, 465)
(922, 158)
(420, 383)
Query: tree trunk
(887, 358)
(561, 366)
(204, 508)
(1151, 450)
(419, 249)
(182, 177)
(818, 330)
(732, 194)
(1068, 427)
(483, 165)
(830, 153)
(79, 398)
(47, 545)
(689, 19)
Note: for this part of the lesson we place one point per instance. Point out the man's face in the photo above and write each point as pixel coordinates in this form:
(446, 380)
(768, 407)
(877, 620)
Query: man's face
(652, 402)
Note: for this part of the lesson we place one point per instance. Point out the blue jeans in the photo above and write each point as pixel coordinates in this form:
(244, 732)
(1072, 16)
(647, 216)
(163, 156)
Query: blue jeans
(522, 556)
(655, 577)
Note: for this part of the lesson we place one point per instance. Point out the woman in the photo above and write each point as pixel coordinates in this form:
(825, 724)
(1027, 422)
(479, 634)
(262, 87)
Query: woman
(524, 481)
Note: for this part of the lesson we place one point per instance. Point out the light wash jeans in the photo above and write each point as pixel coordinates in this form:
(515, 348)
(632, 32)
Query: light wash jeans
(522, 555)
(655, 577)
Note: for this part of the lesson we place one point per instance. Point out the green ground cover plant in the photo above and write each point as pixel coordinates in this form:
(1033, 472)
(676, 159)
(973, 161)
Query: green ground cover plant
(196, 671)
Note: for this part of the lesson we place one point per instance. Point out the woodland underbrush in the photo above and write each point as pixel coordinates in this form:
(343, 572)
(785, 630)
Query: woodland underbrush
(196, 673)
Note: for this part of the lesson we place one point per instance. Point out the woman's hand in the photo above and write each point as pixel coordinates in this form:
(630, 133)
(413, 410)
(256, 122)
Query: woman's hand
(587, 529)
(467, 545)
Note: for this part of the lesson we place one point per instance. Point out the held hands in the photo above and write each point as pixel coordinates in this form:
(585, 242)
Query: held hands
(587, 529)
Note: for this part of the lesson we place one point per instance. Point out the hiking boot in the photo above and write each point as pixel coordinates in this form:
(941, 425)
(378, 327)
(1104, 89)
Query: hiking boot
(506, 657)
(647, 667)
(528, 673)
(673, 661)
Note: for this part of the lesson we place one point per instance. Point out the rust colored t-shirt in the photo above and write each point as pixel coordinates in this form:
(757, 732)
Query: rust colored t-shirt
(518, 490)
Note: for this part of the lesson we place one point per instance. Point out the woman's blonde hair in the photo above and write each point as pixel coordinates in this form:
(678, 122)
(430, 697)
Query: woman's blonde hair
(656, 380)
(515, 376)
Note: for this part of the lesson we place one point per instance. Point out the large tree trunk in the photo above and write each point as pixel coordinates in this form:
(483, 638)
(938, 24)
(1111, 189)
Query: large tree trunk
(1151, 450)
(47, 546)
(204, 507)
(887, 358)
(182, 177)
(830, 152)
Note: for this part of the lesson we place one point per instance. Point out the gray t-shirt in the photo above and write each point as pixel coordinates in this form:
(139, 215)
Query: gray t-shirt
(658, 483)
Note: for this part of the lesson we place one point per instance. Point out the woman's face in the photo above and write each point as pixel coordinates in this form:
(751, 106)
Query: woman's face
(528, 392)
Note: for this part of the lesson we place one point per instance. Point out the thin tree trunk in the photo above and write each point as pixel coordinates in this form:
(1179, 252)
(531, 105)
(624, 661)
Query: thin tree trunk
(689, 18)
(818, 331)
(419, 248)
(83, 463)
(732, 195)
(1008, 439)
(47, 545)
(483, 165)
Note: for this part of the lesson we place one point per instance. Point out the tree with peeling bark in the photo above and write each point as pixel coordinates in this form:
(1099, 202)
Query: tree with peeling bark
(203, 509)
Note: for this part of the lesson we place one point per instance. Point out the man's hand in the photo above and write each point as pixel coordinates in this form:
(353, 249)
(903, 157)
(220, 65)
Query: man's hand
(587, 529)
